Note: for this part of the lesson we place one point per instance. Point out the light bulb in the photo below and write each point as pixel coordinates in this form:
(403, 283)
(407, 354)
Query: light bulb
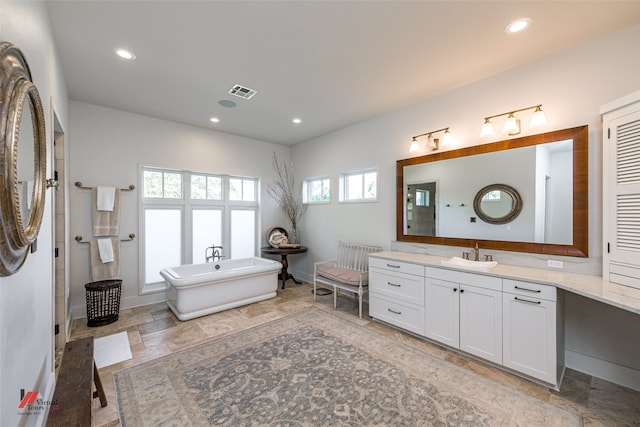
(487, 128)
(447, 138)
(538, 118)
(414, 145)
(511, 125)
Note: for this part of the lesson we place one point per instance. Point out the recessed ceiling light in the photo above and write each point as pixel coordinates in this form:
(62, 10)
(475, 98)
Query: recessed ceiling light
(297, 121)
(517, 25)
(214, 120)
(125, 54)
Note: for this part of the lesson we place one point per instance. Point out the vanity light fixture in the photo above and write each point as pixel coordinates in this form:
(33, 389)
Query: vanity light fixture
(297, 121)
(512, 124)
(433, 143)
(538, 118)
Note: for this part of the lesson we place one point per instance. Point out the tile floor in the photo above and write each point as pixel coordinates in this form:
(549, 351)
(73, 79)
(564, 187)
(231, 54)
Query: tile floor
(154, 331)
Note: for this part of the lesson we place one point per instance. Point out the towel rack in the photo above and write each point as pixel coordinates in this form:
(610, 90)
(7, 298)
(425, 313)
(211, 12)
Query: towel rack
(79, 185)
(131, 237)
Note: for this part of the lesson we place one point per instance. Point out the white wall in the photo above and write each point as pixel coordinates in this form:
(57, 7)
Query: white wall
(26, 298)
(571, 86)
(107, 147)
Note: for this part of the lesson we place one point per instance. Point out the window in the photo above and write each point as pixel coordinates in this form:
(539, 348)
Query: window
(206, 187)
(316, 190)
(359, 186)
(242, 189)
(422, 198)
(162, 184)
(182, 213)
(492, 196)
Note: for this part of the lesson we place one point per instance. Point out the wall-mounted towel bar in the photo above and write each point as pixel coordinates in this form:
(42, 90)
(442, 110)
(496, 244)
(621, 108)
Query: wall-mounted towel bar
(131, 237)
(79, 185)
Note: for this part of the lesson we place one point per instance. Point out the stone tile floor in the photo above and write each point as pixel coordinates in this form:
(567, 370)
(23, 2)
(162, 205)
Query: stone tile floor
(154, 331)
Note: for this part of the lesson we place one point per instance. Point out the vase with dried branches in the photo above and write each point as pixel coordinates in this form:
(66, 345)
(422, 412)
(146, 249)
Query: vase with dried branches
(287, 195)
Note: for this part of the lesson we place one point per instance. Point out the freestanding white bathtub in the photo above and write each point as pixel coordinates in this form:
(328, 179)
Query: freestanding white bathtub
(195, 290)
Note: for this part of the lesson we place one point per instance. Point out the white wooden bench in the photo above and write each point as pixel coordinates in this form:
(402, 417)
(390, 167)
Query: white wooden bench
(349, 271)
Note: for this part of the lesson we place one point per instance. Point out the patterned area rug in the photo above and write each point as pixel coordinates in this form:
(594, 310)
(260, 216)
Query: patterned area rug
(313, 368)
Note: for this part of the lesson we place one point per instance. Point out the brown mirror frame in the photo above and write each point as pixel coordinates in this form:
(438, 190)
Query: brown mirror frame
(18, 97)
(580, 246)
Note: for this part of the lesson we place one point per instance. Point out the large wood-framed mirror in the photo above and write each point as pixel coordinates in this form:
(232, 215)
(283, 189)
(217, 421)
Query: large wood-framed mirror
(435, 194)
(22, 160)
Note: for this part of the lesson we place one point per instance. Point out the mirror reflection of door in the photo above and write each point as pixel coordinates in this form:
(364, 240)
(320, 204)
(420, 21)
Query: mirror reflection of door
(421, 209)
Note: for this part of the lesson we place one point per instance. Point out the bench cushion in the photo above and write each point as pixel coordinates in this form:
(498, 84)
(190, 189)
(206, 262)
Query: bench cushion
(342, 275)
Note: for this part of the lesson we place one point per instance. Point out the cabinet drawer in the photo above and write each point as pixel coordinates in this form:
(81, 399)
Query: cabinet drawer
(400, 266)
(479, 280)
(405, 316)
(395, 285)
(529, 289)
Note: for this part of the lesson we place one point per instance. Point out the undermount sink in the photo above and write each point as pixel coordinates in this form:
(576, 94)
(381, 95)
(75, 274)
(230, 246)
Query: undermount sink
(467, 263)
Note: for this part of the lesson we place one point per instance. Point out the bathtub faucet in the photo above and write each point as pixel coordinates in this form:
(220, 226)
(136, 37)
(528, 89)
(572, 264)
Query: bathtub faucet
(215, 253)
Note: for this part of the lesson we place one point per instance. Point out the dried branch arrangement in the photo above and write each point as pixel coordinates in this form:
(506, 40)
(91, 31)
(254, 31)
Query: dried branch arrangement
(285, 192)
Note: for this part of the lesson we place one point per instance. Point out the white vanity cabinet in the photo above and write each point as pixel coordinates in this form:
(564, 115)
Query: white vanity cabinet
(464, 310)
(532, 342)
(514, 323)
(396, 293)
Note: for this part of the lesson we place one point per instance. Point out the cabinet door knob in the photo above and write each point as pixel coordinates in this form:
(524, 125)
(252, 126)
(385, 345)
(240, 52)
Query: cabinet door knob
(461, 290)
(455, 289)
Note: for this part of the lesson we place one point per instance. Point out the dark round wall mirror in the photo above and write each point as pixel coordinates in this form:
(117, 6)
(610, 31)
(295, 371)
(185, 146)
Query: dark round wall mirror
(22, 159)
(497, 204)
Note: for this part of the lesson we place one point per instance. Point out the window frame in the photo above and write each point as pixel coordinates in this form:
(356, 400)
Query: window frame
(306, 190)
(343, 186)
(188, 205)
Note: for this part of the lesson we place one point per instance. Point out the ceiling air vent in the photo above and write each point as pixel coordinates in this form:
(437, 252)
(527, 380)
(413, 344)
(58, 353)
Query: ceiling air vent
(242, 92)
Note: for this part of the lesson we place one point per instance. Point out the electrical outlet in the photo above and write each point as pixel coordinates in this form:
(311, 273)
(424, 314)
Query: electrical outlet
(554, 263)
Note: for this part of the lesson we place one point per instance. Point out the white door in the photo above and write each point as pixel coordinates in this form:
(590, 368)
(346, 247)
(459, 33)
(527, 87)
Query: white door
(623, 177)
(481, 322)
(442, 312)
(530, 336)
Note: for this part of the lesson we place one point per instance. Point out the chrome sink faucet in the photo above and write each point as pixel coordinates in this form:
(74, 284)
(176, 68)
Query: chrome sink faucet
(476, 253)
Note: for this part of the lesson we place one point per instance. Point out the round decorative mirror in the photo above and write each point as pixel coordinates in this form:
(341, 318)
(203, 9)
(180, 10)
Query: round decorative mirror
(497, 204)
(22, 159)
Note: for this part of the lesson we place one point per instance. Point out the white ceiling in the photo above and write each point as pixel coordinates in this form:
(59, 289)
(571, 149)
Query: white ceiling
(330, 63)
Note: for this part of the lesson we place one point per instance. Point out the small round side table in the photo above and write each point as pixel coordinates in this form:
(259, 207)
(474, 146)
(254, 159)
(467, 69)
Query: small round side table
(284, 253)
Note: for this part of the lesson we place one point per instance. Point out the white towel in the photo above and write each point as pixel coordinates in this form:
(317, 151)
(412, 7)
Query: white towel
(105, 223)
(106, 198)
(110, 270)
(105, 247)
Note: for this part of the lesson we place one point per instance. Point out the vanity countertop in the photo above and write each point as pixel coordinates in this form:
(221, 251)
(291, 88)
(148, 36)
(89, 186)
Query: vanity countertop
(593, 287)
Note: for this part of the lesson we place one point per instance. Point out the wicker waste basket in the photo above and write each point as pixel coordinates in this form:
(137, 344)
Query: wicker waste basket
(103, 301)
